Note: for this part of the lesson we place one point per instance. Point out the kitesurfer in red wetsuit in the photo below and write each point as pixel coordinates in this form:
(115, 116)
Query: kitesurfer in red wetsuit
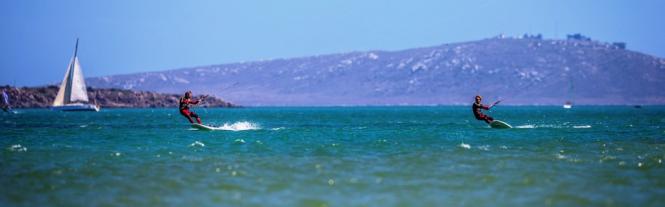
(185, 102)
(477, 106)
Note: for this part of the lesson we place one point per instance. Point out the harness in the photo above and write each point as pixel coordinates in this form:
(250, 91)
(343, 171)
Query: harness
(184, 104)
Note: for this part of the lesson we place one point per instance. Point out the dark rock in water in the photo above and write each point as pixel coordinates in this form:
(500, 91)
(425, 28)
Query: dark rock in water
(42, 97)
(520, 70)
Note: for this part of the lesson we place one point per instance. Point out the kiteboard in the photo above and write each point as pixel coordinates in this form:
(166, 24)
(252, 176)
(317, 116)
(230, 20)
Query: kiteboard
(497, 124)
(203, 127)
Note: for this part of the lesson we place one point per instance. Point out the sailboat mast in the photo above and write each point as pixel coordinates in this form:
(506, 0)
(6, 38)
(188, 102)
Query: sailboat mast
(76, 49)
(70, 79)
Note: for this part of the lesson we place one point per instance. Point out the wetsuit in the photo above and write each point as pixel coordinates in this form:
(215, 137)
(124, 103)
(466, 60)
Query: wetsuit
(184, 110)
(479, 115)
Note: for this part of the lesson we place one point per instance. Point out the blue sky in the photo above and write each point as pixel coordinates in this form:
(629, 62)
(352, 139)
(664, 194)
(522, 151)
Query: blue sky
(125, 36)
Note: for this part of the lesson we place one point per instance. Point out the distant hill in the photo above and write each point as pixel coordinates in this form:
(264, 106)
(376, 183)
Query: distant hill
(42, 97)
(520, 70)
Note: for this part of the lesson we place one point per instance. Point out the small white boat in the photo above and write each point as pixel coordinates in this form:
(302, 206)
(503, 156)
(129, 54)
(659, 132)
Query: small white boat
(568, 105)
(73, 95)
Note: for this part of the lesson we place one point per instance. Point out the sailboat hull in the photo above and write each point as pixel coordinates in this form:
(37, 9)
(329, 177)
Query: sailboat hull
(76, 107)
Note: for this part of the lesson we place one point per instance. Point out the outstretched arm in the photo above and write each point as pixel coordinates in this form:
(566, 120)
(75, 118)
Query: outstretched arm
(494, 104)
(199, 100)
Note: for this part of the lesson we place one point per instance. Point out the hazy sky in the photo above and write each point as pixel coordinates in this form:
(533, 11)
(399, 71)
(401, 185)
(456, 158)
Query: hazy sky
(128, 36)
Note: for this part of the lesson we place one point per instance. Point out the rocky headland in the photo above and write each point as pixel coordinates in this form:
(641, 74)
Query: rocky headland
(42, 97)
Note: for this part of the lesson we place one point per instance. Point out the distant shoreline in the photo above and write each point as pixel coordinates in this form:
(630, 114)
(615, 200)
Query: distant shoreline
(42, 98)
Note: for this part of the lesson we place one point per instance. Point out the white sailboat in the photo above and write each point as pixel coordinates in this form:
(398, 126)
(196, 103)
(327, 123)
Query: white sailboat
(73, 95)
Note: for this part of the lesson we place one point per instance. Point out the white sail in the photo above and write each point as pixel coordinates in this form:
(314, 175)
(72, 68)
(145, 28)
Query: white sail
(60, 98)
(72, 88)
(79, 92)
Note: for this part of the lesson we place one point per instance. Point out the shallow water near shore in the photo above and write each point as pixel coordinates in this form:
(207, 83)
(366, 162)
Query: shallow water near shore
(335, 156)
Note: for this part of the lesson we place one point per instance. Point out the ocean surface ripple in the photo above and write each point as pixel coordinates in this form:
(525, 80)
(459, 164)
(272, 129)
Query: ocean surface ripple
(335, 156)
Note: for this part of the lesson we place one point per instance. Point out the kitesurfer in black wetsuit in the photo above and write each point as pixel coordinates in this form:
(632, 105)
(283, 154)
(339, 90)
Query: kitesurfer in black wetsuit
(477, 106)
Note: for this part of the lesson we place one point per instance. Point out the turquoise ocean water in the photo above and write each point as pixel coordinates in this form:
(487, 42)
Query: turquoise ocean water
(335, 156)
